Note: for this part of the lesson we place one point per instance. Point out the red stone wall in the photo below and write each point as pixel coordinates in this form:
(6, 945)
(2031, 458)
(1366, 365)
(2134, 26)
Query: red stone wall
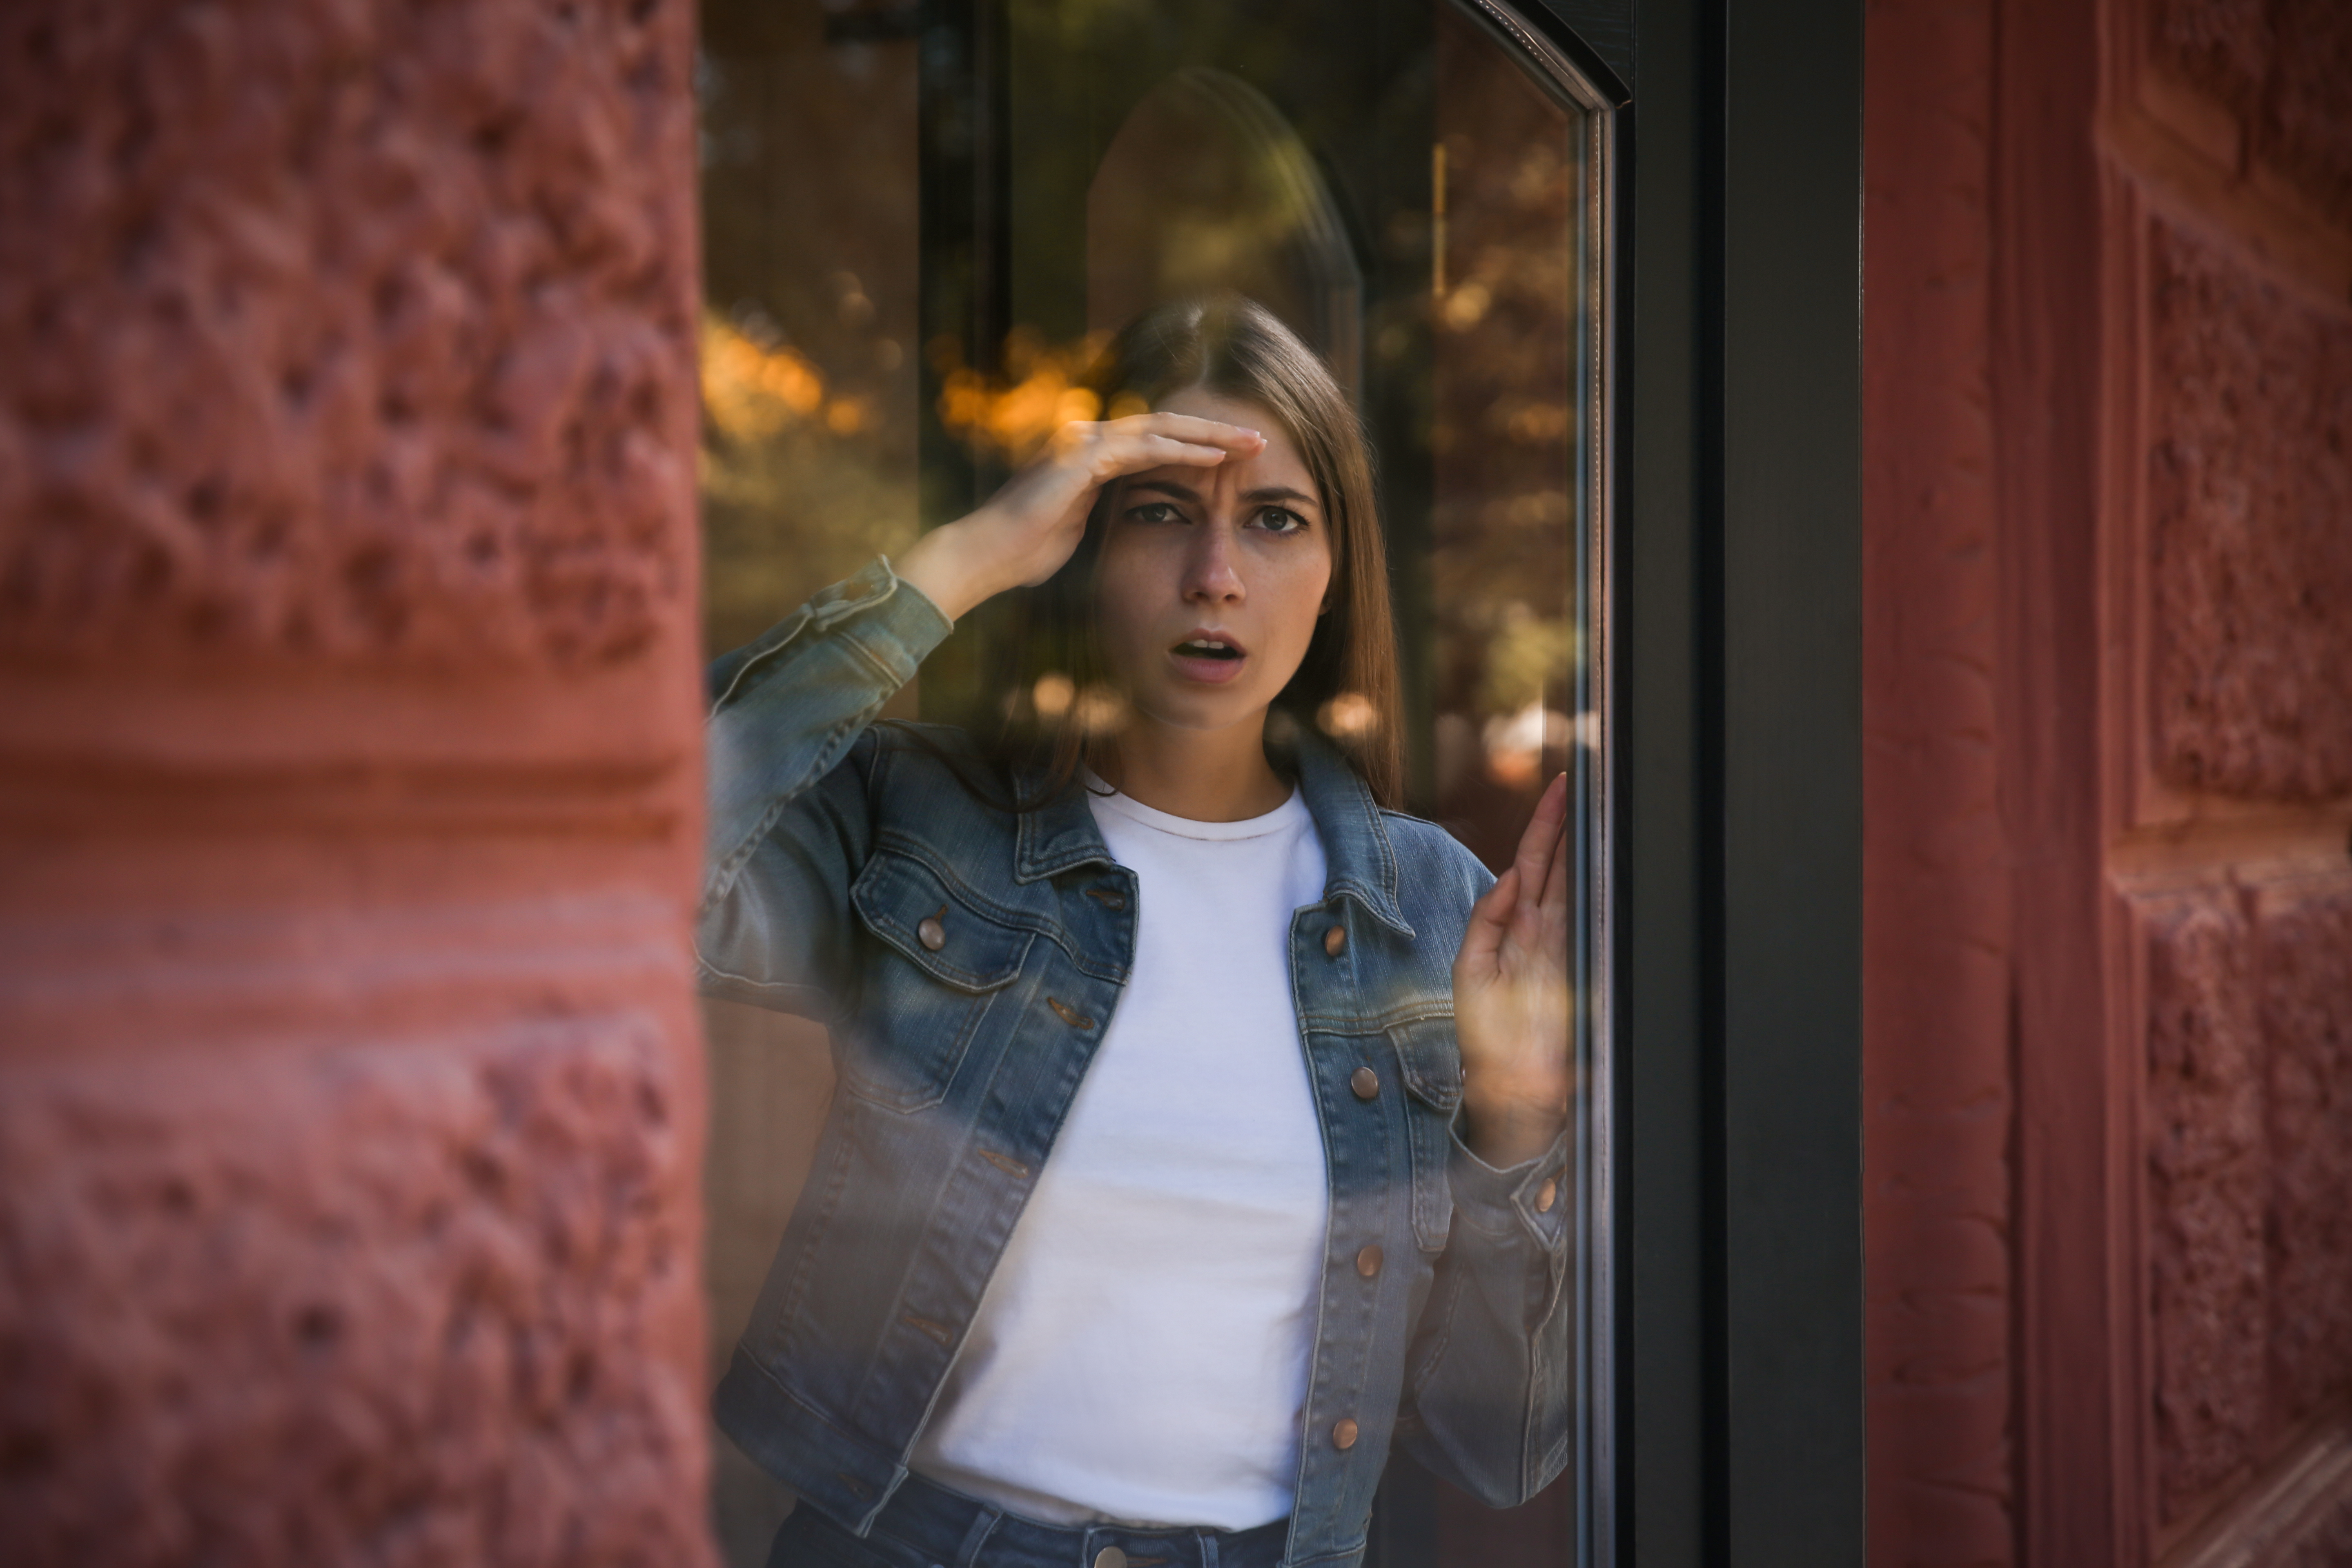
(2249, 1006)
(2230, 135)
(350, 1085)
(2248, 762)
(2303, 959)
(1936, 998)
(2209, 1188)
(2273, 71)
(2250, 489)
(2108, 697)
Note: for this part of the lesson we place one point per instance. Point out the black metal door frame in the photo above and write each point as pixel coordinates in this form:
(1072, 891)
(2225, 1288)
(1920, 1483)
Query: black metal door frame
(1738, 570)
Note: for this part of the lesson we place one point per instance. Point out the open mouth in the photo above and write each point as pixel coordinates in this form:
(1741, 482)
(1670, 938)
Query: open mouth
(1207, 648)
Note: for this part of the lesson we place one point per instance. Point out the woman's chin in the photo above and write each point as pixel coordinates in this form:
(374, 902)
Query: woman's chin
(1203, 711)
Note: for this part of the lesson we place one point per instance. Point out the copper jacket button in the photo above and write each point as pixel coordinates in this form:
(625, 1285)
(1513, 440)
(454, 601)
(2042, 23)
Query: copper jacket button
(1365, 1082)
(1546, 1195)
(931, 933)
(1110, 1557)
(1368, 1262)
(1335, 941)
(1343, 1433)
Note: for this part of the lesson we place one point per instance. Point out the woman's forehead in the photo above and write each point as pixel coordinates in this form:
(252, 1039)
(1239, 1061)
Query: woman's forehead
(1204, 402)
(1280, 465)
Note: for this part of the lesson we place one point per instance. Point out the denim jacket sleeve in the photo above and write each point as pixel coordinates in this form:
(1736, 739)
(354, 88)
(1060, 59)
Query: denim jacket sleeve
(790, 826)
(1491, 1383)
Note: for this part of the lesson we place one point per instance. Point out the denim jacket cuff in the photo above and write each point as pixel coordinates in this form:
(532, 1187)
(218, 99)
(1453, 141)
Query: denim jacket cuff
(896, 626)
(772, 734)
(1504, 1204)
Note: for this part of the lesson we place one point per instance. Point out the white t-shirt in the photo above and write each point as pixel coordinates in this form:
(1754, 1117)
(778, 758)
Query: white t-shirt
(1141, 1353)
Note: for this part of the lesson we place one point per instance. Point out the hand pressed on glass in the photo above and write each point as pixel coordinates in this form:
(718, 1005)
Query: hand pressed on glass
(1511, 996)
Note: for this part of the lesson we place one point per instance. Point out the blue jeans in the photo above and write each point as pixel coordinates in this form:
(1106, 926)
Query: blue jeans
(925, 1525)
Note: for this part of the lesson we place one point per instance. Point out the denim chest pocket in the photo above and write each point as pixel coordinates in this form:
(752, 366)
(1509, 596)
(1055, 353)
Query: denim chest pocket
(933, 963)
(1431, 1066)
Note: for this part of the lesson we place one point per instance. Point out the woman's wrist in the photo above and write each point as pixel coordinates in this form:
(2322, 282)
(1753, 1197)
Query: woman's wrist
(1508, 1130)
(939, 564)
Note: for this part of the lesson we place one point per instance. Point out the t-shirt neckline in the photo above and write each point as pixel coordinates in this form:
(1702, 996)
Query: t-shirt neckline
(1100, 794)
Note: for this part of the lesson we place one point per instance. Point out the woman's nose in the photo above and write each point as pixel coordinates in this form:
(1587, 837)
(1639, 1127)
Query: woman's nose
(1211, 572)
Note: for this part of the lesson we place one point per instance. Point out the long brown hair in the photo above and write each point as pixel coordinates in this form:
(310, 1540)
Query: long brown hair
(1050, 667)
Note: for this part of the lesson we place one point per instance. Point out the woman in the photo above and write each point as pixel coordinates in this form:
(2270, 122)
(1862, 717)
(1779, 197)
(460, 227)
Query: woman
(1200, 1119)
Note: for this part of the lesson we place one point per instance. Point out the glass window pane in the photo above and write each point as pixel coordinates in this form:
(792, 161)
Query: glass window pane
(810, 337)
(921, 225)
(809, 333)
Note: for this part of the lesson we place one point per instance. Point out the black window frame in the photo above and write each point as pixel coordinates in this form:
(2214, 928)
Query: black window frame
(1741, 1392)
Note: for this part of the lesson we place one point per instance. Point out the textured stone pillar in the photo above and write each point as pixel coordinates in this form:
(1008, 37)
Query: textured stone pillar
(2246, 914)
(1936, 944)
(2108, 693)
(2228, 531)
(349, 1087)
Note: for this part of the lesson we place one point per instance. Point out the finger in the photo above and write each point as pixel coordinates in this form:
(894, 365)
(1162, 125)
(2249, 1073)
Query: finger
(1490, 918)
(1119, 455)
(1158, 448)
(1190, 428)
(1554, 899)
(1536, 845)
(1529, 931)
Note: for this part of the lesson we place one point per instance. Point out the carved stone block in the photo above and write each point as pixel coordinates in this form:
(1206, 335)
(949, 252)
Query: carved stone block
(2279, 68)
(356, 329)
(2207, 1187)
(401, 1303)
(2305, 937)
(2249, 560)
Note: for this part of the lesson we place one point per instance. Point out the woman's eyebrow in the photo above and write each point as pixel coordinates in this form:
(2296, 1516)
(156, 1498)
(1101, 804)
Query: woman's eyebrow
(1278, 492)
(1263, 494)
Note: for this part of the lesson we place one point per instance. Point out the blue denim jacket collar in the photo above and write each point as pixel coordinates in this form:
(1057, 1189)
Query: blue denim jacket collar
(1362, 863)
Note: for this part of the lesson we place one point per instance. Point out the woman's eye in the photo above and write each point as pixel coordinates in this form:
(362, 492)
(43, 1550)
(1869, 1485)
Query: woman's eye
(1275, 520)
(1153, 511)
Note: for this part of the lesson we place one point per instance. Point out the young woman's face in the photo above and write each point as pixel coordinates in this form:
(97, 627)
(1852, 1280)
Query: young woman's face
(1210, 580)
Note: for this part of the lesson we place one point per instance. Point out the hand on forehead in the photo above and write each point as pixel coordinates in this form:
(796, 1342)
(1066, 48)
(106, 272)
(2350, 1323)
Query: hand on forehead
(1276, 473)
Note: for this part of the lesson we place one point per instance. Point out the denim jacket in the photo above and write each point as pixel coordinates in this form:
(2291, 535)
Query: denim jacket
(967, 960)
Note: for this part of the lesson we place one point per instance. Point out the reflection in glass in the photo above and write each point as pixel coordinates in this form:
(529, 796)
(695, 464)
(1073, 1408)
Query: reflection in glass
(916, 240)
(1508, 501)
(810, 342)
(809, 331)
(1206, 187)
